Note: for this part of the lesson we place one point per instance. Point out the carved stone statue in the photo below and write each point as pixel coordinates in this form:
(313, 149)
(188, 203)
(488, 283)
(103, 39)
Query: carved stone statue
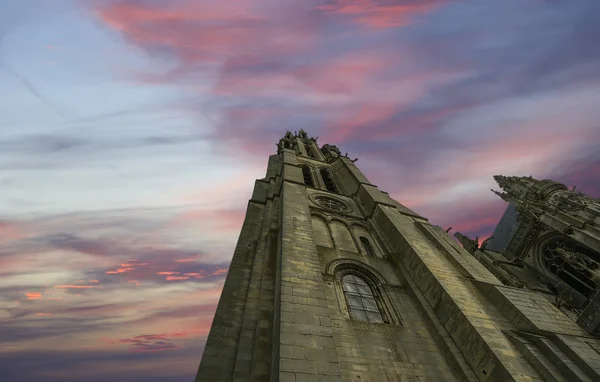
(334, 149)
(303, 134)
(286, 142)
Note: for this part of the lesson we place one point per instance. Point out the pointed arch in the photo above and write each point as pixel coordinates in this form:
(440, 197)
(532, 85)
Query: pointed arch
(366, 244)
(321, 231)
(365, 240)
(342, 235)
(355, 300)
(310, 152)
(307, 174)
(360, 299)
(554, 266)
(328, 180)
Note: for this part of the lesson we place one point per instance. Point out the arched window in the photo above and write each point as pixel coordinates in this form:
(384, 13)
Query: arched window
(309, 150)
(367, 246)
(573, 263)
(328, 180)
(308, 179)
(361, 302)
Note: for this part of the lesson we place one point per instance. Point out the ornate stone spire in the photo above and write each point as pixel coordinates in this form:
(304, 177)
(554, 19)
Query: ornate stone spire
(504, 181)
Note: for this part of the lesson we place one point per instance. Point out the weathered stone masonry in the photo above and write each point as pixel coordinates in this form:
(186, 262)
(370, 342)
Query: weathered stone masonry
(284, 314)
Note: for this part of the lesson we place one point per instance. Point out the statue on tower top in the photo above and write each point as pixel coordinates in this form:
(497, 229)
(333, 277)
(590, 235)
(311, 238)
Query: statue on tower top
(286, 142)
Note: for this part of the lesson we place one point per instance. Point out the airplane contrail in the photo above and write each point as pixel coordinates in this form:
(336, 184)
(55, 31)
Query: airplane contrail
(25, 82)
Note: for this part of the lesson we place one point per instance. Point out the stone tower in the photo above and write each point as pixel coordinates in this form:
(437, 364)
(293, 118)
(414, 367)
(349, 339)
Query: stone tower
(333, 280)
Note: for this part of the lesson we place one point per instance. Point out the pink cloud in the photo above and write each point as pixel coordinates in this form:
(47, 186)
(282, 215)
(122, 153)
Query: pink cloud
(351, 74)
(173, 278)
(220, 271)
(43, 314)
(380, 14)
(191, 259)
(167, 273)
(196, 275)
(12, 230)
(206, 32)
(76, 287)
(33, 296)
(120, 270)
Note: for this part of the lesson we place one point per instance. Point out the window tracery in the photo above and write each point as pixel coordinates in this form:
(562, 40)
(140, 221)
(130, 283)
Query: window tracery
(573, 263)
(360, 300)
(374, 291)
(331, 204)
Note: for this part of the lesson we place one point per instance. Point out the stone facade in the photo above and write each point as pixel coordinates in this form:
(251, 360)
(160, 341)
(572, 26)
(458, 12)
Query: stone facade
(548, 241)
(332, 280)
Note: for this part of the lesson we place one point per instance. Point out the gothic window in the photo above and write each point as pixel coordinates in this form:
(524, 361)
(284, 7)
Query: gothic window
(309, 150)
(367, 246)
(328, 180)
(361, 302)
(572, 263)
(308, 179)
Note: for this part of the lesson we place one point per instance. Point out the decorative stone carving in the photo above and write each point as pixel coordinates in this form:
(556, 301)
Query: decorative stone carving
(331, 204)
(332, 149)
(471, 245)
(573, 264)
(287, 142)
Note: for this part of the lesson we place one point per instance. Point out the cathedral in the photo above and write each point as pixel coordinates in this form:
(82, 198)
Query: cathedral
(333, 280)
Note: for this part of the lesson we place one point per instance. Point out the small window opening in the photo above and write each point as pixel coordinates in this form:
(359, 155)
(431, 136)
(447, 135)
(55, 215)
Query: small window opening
(309, 150)
(361, 302)
(367, 246)
(328, 179)
(308, 179)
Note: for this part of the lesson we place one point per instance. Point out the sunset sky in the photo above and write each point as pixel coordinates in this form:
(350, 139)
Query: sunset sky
(131, 132)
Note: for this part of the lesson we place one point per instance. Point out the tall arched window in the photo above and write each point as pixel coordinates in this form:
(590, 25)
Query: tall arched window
(308, 179)
(309, 150)
(361, 302)
(367, 246)
(573, 263)
(328, 180)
